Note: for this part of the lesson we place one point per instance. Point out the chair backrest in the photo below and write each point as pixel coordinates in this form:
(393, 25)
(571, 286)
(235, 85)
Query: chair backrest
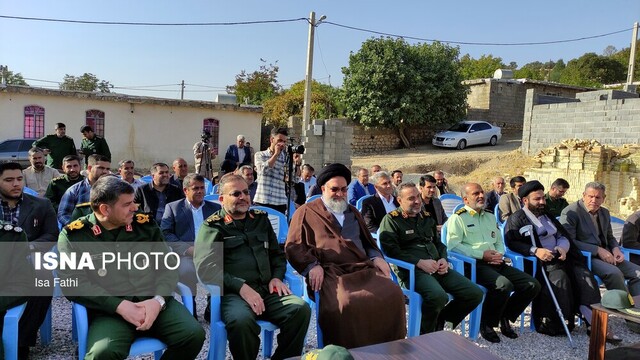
(278, 222)
(496, 212)
(458, 207)
(146, 178)
(214, 198)
(29, 191)
(449, 202)
(214, 189)
(617, 225)
(359, 202)
(208, 185)
(311, 198)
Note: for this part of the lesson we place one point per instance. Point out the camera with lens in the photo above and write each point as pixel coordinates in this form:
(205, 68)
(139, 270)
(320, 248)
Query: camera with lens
(206, 136)
(292, 148)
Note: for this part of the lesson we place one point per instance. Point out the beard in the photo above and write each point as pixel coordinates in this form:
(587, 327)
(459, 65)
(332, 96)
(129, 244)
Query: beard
(337, 206)
(535, 210)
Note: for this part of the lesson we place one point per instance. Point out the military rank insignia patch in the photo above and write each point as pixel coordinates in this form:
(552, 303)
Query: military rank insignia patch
(76, 225)
(394, 213)
(461, 211)
(142, 218)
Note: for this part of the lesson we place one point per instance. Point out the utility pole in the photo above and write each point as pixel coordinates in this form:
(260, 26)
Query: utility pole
(182, 90)
(306, 115)
(632, 60)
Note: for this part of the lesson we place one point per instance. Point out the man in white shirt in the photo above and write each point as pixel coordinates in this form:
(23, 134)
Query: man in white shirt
(127, 170)
(382, 203)
(38, 175)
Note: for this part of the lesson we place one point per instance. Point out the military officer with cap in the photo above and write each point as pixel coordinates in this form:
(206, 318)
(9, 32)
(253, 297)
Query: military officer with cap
(17, 272)
(473, 232)
(409, 234)
(254, 267)
(124, 304)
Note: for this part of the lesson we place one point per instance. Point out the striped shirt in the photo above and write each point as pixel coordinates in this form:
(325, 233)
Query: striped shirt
(76, 194)
(271, 186)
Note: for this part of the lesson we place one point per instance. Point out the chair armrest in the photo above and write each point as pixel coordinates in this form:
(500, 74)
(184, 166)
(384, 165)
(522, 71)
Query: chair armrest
(468, 260)
(216, 294)
(628, 251)
(186, 296)
(407, 266)
(295, 282)
(518, 260)
(456, 264)
(588, 256)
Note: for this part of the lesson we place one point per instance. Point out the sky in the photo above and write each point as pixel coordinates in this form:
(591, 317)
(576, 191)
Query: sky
(153, 60)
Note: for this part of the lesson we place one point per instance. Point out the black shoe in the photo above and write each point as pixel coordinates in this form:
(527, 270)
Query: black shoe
(23, 352)
(440, 324)
(547, 330)
(506, 330)
(489, 334)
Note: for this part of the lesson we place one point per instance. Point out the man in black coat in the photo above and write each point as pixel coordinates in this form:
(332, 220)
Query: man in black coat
(154, 196)
(376, 207)
(575, 287)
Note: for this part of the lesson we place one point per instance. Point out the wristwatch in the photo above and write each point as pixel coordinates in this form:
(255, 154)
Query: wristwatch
(160, 299)
(532, 251)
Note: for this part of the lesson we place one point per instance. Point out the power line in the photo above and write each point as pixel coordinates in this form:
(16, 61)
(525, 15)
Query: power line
(152, 23)
(477, 43)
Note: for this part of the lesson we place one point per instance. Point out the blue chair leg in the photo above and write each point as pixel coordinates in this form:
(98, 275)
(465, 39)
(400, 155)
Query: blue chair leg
(267, 343)
(46, 329)
(10, 331)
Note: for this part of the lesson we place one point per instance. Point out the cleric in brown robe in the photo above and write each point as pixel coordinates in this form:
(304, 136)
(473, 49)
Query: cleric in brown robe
(329, 244)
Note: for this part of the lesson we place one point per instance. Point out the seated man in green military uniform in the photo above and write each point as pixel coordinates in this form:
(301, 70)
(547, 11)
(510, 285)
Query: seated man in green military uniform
(124, 304)
(410, 234)
(17, 274)
(254, 267)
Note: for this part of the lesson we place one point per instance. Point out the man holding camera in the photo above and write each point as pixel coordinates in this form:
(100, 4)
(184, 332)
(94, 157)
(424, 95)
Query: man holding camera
(203, 154)
(270, 170)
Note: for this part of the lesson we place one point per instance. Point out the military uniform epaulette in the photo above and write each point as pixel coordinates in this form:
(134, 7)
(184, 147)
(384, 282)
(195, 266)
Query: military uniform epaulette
(213, 218)
(394, 213)
(258, 212)
(461, 211)
(425, 213)
(75, 225)
(61, 177)
(85, 204)
(142, 218)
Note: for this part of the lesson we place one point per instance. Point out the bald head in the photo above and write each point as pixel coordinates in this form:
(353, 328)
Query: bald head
(473, 196)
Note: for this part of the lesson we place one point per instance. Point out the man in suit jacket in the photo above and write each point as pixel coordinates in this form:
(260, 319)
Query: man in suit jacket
(510, 203)
(430, 202)
(154, 196)
(360, 187)
(180, 224)
(238, 153)
(589, 224)
(383, 202)
(36, 217)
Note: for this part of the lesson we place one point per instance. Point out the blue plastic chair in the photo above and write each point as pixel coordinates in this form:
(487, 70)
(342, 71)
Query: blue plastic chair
(10, 331)
(449, 202)
(458, 207)
(218, 331)
(212, 197)
(30, 191)
(146, 178)
(359, 202)
(208, 186)
(311, 198)
(141, 345)
(496, 212)
(214, 188)
(278, 222)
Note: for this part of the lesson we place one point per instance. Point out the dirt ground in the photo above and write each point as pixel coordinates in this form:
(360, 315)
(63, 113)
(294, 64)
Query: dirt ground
(479, 164)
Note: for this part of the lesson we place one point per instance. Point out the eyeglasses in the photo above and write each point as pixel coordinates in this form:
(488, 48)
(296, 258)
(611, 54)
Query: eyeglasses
(338, 189)
(237, 193)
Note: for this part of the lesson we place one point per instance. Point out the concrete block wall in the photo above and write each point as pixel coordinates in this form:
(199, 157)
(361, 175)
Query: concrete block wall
(334, 145)
(613, 121)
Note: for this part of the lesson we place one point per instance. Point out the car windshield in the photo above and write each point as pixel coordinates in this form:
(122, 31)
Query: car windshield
(461, 127)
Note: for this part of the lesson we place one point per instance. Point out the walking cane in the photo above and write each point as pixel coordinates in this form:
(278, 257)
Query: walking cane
(527, 231)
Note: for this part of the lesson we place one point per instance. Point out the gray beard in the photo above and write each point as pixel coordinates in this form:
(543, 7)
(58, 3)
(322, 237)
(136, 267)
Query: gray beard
(336, 206)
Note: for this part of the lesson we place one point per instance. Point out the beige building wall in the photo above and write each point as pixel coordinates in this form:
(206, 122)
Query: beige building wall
(146, 130)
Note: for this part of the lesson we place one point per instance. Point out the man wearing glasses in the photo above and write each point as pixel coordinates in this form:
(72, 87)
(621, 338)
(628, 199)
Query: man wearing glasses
(253, 271)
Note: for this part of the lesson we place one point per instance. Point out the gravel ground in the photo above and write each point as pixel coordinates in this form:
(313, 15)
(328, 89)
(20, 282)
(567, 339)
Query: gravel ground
(530, 345)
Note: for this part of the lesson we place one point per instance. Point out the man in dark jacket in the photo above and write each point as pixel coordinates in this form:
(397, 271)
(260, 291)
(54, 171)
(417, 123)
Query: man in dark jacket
(154, 196)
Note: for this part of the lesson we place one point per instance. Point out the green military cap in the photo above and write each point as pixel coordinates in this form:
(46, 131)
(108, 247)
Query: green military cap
(330, 352)
(620, 300)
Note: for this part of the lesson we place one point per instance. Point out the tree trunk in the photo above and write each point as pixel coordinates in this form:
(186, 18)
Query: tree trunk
(403, 137)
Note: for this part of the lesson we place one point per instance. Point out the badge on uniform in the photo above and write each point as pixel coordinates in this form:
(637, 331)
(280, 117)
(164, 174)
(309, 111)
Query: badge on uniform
(493, 234)
(409, 232)
(102, 272)
(128, 228)
(471, 225)
(35, 222)
(228, 219)
(96, 231)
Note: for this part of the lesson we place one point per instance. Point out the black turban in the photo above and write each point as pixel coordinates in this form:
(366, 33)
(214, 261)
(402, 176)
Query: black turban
(330, 171)
(529, 187)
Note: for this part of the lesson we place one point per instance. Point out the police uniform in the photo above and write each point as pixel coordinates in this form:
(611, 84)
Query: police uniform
(58, 186)
(174, 325)
(17, 272)
(471, 233)
(412, 239)
(97, 145)
(252, 256)
(58, 148)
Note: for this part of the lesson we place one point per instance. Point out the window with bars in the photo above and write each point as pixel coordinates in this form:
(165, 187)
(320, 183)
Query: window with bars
(33, 122)
(213, 127)
(95, 119)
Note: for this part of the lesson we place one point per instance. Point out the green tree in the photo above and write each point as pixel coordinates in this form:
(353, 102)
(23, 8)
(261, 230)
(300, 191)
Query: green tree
(12, 78)
(481, 68)
(390, 83)
(85, 82)
(622, 57)
(325, 103)
(593, 70)
(258, 86)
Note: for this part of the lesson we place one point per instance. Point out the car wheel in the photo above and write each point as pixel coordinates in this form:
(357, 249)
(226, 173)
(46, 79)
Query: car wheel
(462, 144)
(493, 141)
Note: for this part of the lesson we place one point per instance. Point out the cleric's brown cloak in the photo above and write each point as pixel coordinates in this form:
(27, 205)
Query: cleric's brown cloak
(359, 306)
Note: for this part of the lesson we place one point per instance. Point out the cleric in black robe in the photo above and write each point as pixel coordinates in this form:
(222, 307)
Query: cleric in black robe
(574, 285)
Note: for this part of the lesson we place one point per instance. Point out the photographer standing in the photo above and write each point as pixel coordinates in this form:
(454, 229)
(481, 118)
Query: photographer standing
(271, 167)
(204, 154)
